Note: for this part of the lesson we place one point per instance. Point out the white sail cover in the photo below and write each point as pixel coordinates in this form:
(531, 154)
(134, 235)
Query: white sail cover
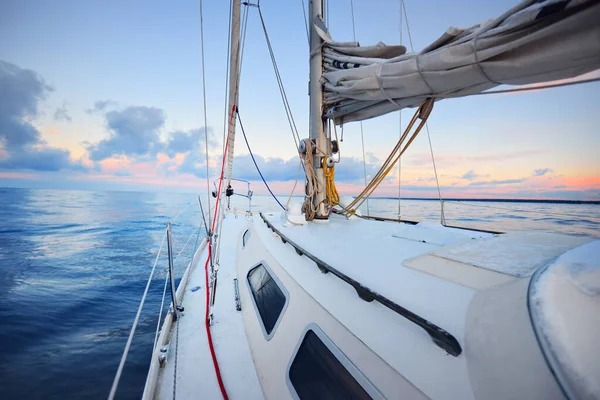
(535, 41)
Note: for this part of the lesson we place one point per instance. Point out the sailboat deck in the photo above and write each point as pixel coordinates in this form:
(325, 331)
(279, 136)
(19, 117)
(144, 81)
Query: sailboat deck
(195, 371)
(399, 261)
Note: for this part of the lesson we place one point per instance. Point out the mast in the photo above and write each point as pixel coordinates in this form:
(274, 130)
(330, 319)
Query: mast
(317, 123)
(234, 81)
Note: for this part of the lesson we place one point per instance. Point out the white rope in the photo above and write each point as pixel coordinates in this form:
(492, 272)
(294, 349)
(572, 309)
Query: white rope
(113, 389)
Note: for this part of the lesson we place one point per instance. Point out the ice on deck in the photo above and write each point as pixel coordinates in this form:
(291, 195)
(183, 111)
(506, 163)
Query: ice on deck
(565, 307)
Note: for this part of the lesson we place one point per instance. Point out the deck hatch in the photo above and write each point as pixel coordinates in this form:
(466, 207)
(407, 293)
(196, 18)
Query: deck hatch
(268, 296)
(319, 370)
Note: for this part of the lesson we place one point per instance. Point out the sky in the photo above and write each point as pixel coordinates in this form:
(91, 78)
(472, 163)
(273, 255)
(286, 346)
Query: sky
(108, 95)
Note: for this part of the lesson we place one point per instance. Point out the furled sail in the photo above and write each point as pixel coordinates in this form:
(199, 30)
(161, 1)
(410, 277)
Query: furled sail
(535, 41)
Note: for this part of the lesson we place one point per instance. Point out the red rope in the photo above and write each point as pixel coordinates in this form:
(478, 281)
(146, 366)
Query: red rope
(207, 320)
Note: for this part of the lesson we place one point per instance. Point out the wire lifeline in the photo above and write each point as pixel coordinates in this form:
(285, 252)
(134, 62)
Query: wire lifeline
(113, 389)
(254, 160)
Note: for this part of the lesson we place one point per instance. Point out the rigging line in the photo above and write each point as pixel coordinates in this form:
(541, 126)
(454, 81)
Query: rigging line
(400, 132)
(162, 302)
(362, 136)
(243, 41)
(204, 109)
(523, 89)
(254, 161)
(442, 216)
(225, 106)
(522, 211)
(181, 212)
(282, 91)
(436, 174)
(113, 389)
(304, 12)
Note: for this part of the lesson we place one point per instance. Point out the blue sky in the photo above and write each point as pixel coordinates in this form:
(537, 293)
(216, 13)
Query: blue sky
(111, 95)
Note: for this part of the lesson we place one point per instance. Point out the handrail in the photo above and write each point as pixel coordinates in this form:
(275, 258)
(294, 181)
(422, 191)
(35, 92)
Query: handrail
(113, 389)
(440, 337)
(178, 294)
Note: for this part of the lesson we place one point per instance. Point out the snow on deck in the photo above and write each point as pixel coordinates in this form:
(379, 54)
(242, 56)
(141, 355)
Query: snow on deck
(566, 311)
(195, 372)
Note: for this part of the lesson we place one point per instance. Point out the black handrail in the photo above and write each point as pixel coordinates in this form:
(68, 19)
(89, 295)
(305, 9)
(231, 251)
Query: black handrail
(439, 336)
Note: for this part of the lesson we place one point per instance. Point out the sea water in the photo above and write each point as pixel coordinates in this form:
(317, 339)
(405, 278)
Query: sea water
(74, 265)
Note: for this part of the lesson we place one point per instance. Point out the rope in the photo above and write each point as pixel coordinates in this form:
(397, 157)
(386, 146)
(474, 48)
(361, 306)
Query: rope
(225, 108)
(308, 207)
(525, 211)
(437, 181)
(442, 216)
(399, 129)
(523, 89)
(254, 161)
(207, 313)
(304, 12)
(181, 212)
(204, 108)
(113, 389)
(286, 105)
(332, 194)
(422, 113)
(362, 136)
(162, 302)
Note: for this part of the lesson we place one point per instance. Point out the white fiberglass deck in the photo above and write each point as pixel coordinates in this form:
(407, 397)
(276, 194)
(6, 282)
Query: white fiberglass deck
(196, 377)
(395, 260)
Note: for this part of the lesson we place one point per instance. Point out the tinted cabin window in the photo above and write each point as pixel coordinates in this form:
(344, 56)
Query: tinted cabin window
(245, 238)
(316, 373)
(268, 296)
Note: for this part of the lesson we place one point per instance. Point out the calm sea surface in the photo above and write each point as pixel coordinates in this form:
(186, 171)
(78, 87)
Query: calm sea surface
(74, 264)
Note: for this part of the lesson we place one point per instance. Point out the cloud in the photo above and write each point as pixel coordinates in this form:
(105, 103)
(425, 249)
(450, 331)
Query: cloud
(424, 159)
(134, 132)
(122, 172)
(470, 175)
(273, 169)
(350, 169)
(101, 106)
(21, 91)
(61, 114)
(181, 142)
(541, 171)
(498, 182)
(44, 159)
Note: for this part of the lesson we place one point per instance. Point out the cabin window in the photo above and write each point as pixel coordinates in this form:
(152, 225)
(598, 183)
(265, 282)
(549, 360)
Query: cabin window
(269, 297)
(245, 237)
(319, 370)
